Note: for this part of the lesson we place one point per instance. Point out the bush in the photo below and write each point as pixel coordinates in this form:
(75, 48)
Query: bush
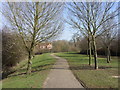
(13, 50)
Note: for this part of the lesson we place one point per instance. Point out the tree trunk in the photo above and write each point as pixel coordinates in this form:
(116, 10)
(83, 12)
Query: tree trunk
(29, 63)
(89, 51)
(95, 52)
(108, 54)
(109, 57)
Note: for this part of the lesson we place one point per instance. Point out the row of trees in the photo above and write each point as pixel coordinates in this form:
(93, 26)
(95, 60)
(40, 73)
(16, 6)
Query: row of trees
(63, 46)
(36, 22)
(82, 46)
(58, 46)
(94, 19)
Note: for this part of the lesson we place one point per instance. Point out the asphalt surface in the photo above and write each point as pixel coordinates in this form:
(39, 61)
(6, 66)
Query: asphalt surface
(61, 76)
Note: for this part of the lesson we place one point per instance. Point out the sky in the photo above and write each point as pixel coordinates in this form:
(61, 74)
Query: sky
(66, 34)
(0, 17)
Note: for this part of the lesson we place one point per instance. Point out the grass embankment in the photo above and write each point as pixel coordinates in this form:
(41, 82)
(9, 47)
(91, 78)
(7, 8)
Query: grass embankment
(101, 78)
(41, 65)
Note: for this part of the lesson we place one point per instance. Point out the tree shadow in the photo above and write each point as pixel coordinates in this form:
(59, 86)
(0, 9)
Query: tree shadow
(41, 61)
(34, 69)
(106, 67)
(87, 67)
(61, 68)
(78, 60)
(70, 56)
(41, 66)
(81, 68)
(73, 53)
(6, 74)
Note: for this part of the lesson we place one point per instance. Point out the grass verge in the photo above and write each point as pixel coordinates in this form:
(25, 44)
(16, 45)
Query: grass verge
(41, 65)
(101, 78)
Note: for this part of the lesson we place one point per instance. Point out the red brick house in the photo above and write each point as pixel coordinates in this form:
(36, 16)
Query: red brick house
(45, 46)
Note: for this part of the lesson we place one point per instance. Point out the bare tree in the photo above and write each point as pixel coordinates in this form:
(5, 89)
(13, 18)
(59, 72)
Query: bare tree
(34, 21)
(89, 18)
(108, 37)
(76, 38)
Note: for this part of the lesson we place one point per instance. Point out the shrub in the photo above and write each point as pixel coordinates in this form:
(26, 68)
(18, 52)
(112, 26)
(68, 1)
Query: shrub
(13, 50)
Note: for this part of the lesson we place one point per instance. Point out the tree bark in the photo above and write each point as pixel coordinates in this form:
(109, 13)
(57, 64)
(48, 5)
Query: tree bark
(89, 51)
(108, 54)
(88, 47)
(95, 53)
(29, 67)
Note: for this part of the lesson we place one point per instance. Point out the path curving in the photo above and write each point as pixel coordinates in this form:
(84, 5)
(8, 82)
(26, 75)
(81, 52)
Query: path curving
(61, 76)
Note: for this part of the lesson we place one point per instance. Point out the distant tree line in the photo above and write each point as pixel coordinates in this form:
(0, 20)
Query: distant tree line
(58, 46)
(63, 46)
(101, 48)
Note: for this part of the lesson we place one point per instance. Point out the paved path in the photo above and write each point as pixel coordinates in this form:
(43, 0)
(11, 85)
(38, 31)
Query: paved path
(60, 76)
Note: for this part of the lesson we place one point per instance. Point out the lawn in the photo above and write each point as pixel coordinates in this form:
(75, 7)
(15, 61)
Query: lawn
(90, 78)
(41, 65)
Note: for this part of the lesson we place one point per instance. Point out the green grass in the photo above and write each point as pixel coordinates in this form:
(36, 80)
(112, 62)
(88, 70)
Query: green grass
(101, 78)
(41, 65)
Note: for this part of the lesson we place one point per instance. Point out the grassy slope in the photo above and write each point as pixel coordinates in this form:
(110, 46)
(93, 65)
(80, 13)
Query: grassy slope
(101, 78)
(40, 69)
